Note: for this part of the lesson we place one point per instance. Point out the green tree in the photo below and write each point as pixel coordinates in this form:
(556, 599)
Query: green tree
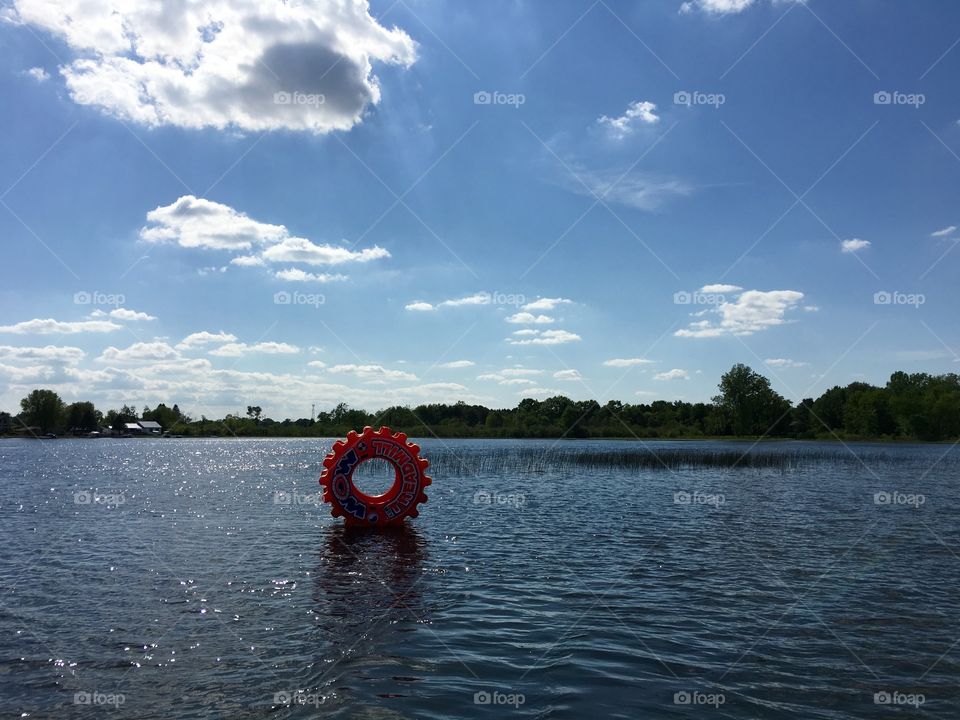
(750, 405)
(82, 416)
(43, 409)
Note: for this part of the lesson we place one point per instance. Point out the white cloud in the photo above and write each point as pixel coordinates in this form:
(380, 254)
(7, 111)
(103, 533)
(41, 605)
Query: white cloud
(512, 376)
(372, 372)
(853, 245)
(222, 63)
(481, 298)
(317, 364)
(51, 327)
(716, 7)
(139, 352)
(295, 249)
(193, 222)
(538, 392)
(240, 349)
(567, 375)
(944, 232)
(29, 374)
(627, 362)
(753, 311)
(38, 74)
(637, 113)
(419, 306)
(548, 337)
(525, 318)
(784, 363)
(199, 339)
(640, 190)
(675, 374)
(458, 364)
(298, 275)
(526, 332)
(545, 304)
(248, 261)
(133, 315)
(720, 288)
(48, 353)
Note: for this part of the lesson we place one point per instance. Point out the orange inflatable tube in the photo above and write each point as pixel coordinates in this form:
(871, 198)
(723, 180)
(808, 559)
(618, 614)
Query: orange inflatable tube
(358, 508)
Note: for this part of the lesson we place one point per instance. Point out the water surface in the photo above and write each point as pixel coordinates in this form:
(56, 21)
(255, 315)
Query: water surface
(201, 579)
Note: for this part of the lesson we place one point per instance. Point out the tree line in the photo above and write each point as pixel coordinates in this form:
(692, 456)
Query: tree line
(911, 406)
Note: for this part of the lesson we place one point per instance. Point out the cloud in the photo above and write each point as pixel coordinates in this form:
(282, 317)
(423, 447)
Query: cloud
(255, 66)
(512, 376)
(132, 315)
(525, 318)
(546, 304)
(458, 364)
(480, 298)
(240, 349)
(28, 375)
(248, 261)
(675, 374)
(627, 362)
(548, 337)
(294, 249)
(538, 392)
(51, 327)
(139, 352)
(943, 233)
(372, 372)
(199, 339)
(298, 275)
(784, 363)
(716, 7)
(47, 353)
(640, 190)
(853, 245)
(720, 288)
(751, 312)
(567, 375)
(317, 364)
(419, 306)
(637, 113)
(193, 222)
(37, 73)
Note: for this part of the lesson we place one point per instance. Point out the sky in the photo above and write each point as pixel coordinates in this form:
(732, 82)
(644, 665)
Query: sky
(292, 204)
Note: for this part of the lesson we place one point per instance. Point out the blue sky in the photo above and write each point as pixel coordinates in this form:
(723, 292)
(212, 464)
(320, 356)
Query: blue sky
(413, 201)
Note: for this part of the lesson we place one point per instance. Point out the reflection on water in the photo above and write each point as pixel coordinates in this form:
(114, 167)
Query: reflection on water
(363, 575)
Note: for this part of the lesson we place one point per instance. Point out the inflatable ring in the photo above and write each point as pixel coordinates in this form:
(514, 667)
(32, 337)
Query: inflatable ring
(358, 508)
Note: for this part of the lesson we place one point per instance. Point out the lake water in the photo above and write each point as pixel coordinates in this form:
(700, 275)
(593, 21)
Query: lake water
(201, 579)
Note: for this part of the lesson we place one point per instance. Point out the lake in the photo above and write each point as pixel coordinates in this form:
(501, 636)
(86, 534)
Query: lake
(202, 579)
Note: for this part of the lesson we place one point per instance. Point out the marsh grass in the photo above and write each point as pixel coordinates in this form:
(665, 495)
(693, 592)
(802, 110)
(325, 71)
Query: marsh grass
(653, 458)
